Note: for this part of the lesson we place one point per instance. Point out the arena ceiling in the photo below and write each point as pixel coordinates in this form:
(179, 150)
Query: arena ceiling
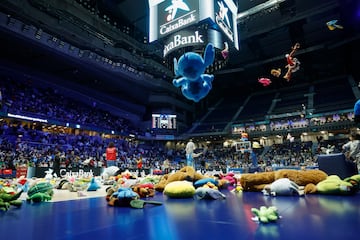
(265, 37)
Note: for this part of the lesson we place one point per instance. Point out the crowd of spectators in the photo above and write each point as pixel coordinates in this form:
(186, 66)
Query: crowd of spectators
(24, 143)
(21, 97)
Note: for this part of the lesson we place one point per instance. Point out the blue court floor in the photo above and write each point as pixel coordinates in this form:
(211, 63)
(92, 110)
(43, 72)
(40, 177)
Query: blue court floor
(309, 217)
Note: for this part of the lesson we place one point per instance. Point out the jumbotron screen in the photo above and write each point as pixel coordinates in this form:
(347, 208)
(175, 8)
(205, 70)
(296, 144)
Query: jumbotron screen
(163, 121)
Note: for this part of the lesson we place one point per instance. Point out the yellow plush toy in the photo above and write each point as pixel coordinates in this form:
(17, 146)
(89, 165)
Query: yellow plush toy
(256, 182)
(186, 173)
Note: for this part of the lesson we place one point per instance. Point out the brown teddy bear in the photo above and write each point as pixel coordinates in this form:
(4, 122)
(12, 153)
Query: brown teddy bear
(257, 181)
(186, 173)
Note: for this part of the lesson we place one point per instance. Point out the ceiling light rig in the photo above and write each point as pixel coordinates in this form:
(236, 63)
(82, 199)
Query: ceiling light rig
(264, 8)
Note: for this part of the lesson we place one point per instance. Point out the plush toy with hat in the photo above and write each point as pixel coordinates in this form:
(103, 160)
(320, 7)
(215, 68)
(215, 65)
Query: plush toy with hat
(256, 182)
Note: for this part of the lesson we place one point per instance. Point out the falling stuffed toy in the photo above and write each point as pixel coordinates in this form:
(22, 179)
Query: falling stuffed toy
(357, 111)
(293, 64)
(194, 84)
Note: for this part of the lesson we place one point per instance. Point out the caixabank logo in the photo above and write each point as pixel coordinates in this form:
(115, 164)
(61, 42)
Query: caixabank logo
(174, 7)
(223, 18)
(177, 14)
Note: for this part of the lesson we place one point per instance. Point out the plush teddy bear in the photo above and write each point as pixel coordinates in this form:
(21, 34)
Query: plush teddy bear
(186, 173)
(144, 189)
(257, 181)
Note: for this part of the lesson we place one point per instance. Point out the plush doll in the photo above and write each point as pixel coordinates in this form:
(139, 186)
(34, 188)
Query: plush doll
(283, 187)
(293, 63)
(265, 215)
(332, 185)
(257, 181)
(194, 84)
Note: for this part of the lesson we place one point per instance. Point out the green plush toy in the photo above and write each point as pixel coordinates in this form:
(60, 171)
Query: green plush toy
(334, 185)
(355, 181)
(39, 197)
(7, 199)
(265, 215)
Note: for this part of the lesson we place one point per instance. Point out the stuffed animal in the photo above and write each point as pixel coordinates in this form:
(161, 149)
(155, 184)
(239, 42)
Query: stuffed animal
(144, 190)
(93, 186)
(257, 181)
(122, 197)
(194, 84)
(333, 185)
(265, 215)
(179, 189)
(354, 180)
(283, 187)
(208, 193)
(186, 173)
(110, 172)
(7, 199)
(41, 187)
(39, 197)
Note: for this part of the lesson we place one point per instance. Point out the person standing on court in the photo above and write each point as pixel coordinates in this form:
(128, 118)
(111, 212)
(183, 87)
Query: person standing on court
(111, 155)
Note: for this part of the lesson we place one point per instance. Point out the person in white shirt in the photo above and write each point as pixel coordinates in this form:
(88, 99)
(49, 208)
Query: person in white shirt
(352, 148)
(190, 148)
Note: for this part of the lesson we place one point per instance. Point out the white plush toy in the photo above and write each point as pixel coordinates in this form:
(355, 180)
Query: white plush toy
(49, 174)
(284, 187)
(109, 172)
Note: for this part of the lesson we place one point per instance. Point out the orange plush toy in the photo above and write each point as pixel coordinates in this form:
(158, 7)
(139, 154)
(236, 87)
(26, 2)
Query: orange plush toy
(256, 182)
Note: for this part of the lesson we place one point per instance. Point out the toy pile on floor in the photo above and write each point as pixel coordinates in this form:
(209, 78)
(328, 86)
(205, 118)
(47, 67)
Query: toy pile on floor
(127, 189)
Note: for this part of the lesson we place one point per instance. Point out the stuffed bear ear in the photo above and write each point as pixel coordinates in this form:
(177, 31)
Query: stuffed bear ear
(209, 55)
